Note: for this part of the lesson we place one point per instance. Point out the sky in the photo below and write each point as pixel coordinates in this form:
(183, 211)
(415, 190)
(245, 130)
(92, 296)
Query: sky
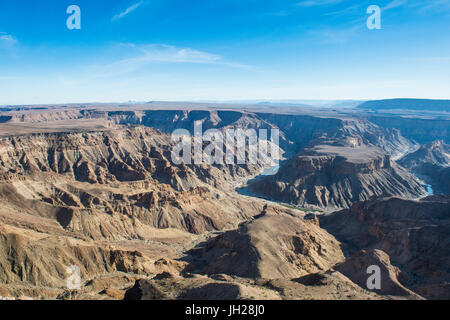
(149, 50)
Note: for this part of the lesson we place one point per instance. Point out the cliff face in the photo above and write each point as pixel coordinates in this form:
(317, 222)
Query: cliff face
(435, 153)
(344, 165)
(120, 155)
(432, 162)
(420, 130)
(333, 177)
(273, 246)
(117, 184)
(296, 131)
(413, 233)
(110, 201)
(36, 259)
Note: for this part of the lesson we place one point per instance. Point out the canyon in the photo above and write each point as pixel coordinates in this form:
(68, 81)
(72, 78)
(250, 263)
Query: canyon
(94, 186)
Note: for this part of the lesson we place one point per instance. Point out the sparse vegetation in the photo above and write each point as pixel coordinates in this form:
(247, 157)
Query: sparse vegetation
(301, 209)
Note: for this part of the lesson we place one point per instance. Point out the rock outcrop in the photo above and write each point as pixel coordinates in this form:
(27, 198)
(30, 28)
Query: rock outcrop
(432, 163)
(413, 233)
(273, 246)
(336, 176)
(95, 187)
(356, 269)
(115, 185)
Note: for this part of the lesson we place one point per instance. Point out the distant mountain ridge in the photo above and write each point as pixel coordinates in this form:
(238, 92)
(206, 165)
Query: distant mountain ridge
(408, 104)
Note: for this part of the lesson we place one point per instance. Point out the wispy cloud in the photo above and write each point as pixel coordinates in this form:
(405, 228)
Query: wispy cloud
(127, 11)
(344, 11)
(161, 53)
(338, 36)
(419, 4)
(394, 4)
(168, 53)
(315, 3)
(7, 39)
(434, 5)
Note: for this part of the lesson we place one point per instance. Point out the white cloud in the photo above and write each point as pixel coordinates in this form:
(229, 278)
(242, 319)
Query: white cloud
(314, 3)
(419, 4)
(127, 11)
(161, 53)
(7, 38)
(394, 4)
(343, 11)
(434, 5)
(337, 36)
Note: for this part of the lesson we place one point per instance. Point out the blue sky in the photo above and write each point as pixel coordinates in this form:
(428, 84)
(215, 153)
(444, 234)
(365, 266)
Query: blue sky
(222, 50)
